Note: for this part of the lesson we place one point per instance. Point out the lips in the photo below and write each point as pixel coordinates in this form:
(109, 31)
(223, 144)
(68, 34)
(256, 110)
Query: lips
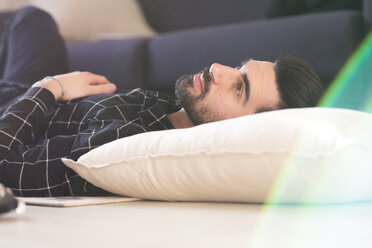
(198, 83)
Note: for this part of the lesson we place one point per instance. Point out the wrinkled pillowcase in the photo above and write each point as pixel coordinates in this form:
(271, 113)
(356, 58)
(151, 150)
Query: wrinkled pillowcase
(313, 155)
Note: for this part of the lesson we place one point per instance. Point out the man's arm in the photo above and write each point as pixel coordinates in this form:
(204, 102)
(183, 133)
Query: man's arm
(76, 85)
(21, 123)
(22, 154)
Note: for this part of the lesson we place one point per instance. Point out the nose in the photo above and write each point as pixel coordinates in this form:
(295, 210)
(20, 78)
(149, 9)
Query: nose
(221, 73)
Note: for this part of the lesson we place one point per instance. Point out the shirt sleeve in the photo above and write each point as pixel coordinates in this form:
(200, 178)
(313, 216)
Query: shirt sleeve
(31, 165)
(21, 123)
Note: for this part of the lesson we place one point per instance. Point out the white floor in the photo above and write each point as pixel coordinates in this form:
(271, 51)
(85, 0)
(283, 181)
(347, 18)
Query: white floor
(163, 224)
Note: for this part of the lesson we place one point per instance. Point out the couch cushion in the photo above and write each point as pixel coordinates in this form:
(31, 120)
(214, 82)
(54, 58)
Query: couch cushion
(121, 61)
(325, 40)
(170, 15)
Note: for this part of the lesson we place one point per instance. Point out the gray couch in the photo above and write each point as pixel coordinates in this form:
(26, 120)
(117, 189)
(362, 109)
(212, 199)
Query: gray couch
(193, 34)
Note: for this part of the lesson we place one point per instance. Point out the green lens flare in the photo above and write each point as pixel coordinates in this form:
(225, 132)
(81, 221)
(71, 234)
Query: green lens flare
(352, 88)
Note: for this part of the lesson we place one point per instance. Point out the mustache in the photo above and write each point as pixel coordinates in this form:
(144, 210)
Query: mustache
(206, 75)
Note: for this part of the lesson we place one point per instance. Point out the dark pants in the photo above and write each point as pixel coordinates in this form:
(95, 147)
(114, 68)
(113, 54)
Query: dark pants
(30, 49)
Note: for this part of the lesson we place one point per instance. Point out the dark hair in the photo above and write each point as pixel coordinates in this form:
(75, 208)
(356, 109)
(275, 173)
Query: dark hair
(298, 84)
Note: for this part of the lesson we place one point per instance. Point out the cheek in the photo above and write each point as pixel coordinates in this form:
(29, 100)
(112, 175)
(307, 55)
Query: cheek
(223, 106)
(230, 109)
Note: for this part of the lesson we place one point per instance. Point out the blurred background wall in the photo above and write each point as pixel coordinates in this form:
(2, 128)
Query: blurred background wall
(91, 19)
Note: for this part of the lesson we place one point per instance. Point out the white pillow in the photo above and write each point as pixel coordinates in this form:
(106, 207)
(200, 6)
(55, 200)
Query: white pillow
(313, 155)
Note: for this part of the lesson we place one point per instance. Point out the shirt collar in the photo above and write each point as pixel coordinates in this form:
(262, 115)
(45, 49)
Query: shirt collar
(155, 108)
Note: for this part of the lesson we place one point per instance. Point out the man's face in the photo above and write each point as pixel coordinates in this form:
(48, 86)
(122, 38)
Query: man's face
(222, 92)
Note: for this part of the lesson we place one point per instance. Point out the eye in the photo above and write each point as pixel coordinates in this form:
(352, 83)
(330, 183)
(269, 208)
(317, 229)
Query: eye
(239, 89)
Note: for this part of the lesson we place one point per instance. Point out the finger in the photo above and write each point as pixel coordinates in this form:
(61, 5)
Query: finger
(97, 79)
(103, 89)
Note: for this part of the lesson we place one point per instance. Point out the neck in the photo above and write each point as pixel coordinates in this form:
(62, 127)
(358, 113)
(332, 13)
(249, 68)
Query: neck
(180, 119)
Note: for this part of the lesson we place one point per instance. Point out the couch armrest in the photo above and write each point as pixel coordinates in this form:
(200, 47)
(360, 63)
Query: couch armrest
(122, 61)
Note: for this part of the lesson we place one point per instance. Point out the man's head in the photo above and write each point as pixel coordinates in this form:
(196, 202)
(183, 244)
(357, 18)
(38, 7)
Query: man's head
(222, 92)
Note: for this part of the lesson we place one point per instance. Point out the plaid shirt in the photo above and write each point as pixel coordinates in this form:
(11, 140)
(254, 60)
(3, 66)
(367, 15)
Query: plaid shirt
(36, 132)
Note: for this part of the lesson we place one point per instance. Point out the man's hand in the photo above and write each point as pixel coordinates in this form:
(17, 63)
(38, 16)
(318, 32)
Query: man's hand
(77, 84)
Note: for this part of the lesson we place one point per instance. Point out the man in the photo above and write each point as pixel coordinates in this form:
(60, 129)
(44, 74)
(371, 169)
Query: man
(221, 92)
(69, 114)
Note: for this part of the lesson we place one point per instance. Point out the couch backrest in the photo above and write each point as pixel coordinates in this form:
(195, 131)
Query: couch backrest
(170, 15)
(325, 40)
(367, 14)
(295, 7)
(122, 61)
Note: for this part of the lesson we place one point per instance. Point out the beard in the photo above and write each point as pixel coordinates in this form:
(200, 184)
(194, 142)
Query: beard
(192, 101)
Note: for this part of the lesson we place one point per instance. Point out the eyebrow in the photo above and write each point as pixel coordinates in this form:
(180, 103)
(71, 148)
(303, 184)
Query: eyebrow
(247, 87)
